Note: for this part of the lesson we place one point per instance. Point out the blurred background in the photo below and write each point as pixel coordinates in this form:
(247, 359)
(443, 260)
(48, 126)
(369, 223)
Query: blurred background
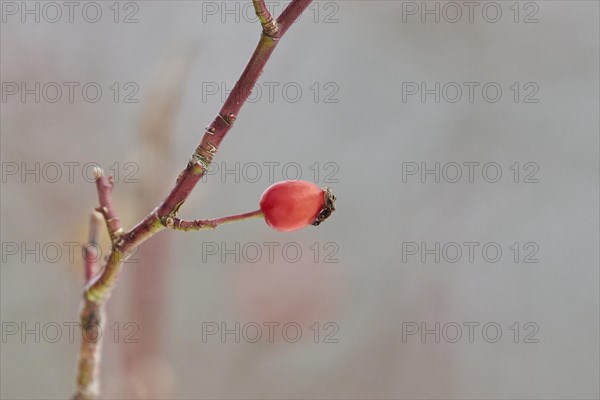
(460, 139)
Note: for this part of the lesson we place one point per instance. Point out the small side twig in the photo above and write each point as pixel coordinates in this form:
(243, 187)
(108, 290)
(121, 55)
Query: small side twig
(269, 25)
(91, 252)
(181, 225)
(104, 187)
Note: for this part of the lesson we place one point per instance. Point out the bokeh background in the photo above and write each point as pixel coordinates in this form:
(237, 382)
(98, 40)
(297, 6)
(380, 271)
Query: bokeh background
(354, 127)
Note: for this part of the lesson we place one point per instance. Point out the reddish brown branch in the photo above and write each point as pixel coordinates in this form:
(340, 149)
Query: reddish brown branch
(181, 225)
(290, 14)
(269, 25)
(206, 150)
(101, 285)
(104, 187)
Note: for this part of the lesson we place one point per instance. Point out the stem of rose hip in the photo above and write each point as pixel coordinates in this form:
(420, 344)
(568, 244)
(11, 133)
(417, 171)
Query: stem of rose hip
(181, 225)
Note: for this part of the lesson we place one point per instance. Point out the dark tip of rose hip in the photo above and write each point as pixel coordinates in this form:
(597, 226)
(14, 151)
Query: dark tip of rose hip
(328, 207)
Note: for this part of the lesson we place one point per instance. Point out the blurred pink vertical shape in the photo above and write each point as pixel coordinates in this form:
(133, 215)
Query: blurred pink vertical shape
(147, 372)
(305, 292)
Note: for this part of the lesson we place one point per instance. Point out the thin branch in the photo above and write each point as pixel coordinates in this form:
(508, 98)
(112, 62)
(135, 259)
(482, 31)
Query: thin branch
(269, 25)
(92, 314)
(290, 14)
(181, 225)
(91, 252)
(99, 287)
(205, 152)
(92, 321)
(104, 187)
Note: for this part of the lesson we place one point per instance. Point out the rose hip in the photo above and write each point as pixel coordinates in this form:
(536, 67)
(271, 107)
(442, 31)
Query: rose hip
(292, 205)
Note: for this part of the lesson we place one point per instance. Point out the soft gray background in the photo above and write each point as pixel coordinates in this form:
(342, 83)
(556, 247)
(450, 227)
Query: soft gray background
(369, 133)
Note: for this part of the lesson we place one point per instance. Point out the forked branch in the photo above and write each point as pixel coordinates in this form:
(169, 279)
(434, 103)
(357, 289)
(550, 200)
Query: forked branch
(99, 287)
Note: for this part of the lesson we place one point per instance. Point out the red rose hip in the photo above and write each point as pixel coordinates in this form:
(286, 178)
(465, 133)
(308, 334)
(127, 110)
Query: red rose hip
(292, 205)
